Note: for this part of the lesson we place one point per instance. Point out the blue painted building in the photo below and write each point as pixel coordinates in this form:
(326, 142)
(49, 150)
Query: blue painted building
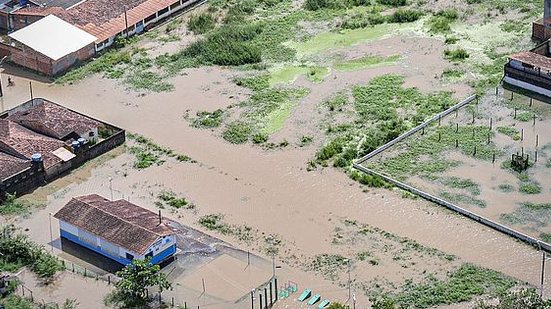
(119, 230)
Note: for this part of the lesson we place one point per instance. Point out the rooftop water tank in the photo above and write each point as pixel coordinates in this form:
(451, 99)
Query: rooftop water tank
(23, 2)
(75, 145)
(81, 141)
(37, 157)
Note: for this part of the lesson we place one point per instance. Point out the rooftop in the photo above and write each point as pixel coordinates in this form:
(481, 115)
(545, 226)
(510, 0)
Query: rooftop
(54, 120)
(53, 37)
(120, 222)
(16, 139)
(10, 165)
(102, 18)
(533, 59)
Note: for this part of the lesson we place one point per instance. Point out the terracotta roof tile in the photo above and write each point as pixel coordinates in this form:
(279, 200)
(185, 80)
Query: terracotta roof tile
(10, 165)
(534, 59)
(119, 222)
(54, 120)
(16, 139)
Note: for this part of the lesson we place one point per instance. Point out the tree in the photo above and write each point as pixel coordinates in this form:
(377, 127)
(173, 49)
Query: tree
(135, 279)
(520, 299)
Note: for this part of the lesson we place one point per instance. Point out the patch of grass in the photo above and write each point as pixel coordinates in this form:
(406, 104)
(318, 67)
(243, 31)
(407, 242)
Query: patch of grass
(366, 62)
(525, 116)
(463, 198)
(505, 187)
(214, 222)
(148, 80)
(171, 199)
(442, 20)
(328, 265)
(512, 132)
(305, 140)
(531, 187)
(461, 285)
(237, 132)
(337, 102)
(531, 215)
(546, 237)
(465, 184)
(405, 16)
(452, 74)
(148, 153)
(206, 119)
(11, 206)
(201, 23)
(456, 55)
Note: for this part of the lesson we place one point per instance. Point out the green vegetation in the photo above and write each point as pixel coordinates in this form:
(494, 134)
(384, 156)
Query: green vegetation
(463, 198)
(465, 184)
(328, 265)
(11, 206)
(215, 222)
(531, 215)
(505, 187)
(16, 251)
(530, 187)
(546, 237)
(456, 55)
(148, 153)
(440, 22)
(337, 102)
(206, 119)
(522, 298)
(525, 116)
(452, 74)
(366, 62)
(237, 132)
(171, 199)
(201, 23)
(404, 16)
(510, 131)
(461, 285)
(131, 291)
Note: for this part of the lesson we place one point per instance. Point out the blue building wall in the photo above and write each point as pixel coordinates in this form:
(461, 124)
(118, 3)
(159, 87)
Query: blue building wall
(156, 259)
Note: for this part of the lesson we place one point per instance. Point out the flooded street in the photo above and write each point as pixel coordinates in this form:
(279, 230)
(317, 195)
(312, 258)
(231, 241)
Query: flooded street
(270, 191)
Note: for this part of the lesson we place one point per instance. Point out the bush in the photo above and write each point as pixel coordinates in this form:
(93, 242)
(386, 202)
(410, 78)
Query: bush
(456, 55)
(404, 16)
(237, 132)
(201, 23)
(392, 2)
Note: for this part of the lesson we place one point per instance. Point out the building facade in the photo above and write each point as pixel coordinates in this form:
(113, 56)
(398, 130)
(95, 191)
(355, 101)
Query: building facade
(118, 230)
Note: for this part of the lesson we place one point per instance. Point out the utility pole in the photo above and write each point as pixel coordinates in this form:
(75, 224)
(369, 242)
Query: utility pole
(51, 233)
(349, 282)
(125, 22)
(544, 256)
(31, 90)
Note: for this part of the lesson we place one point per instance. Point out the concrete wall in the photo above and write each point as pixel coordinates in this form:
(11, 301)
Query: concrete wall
(498, 227)
(24, 181)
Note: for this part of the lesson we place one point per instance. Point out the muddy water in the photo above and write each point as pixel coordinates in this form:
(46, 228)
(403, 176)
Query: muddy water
(270, 191)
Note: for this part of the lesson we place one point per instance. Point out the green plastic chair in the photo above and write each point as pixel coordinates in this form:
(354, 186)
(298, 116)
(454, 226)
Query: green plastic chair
(304, 295)
(316, 298)
(324, 303)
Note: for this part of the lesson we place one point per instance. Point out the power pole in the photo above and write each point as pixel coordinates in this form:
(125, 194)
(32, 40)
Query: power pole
(542, 273)
(349, 282)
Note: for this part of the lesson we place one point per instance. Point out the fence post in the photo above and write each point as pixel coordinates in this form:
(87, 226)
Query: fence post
(172, 302)
(266, 297)
(109, 280)
(271, 295)
(275, 285)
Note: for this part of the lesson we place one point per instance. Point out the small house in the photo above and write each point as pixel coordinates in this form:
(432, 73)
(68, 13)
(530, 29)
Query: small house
(118, 230)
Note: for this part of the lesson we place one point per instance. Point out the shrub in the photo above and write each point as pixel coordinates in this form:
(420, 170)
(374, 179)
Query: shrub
(237, 132)
(208, 119)
(201, 23)
(392, 2)
(404, 16)
(456, 55)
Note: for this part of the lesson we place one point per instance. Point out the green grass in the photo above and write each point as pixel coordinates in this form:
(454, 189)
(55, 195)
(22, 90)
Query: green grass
(201, 23)
(506, 188)
(528, 214)
(461, 285)
(525, 116)
(206, 119)
(172, 200)
(344, 38)
(463, 199)
(512, 132)
(529, 188)
(237, 132)
(147, 153)
(289, 74)
(456, 55)
(366, 62)
(12, 206)
(465, 184)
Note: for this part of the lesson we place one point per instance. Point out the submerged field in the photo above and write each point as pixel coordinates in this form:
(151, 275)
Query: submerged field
(247, 115)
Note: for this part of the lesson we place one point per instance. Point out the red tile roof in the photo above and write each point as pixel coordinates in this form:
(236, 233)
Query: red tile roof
(14, 138)
(533, 59)
(103, 18)
(54, 120)
(10, 165)
(119, 222)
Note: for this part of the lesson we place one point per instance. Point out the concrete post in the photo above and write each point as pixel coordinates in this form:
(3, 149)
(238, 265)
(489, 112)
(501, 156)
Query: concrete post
(547, 9)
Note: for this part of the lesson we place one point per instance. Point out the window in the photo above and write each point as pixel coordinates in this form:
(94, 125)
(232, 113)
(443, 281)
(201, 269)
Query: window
(150, 18)
(91, 134)
(129, 256)
(150, 254)
(163, 11)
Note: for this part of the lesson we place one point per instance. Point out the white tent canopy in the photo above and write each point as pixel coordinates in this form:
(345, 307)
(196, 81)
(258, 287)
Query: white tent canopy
(53, 37)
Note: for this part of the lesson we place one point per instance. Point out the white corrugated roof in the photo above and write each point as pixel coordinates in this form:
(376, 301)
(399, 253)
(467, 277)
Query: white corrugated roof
(53, 37)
